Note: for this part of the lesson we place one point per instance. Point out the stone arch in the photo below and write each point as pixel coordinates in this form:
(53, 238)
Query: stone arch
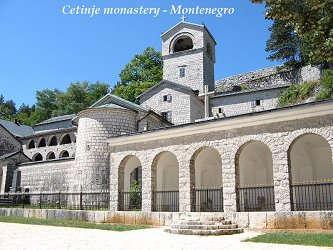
(165, 182)
(311, 172)
(65, 139)
(52, 141)
(41, 142)
(31, 144)
(182, 42)
(206, 180)
(130, 195)
(254, 177)
(206, 159)
(50, 156)
(64, 154)
(37, 157)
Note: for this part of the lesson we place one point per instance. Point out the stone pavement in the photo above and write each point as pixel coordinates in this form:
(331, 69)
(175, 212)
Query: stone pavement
(33, 237)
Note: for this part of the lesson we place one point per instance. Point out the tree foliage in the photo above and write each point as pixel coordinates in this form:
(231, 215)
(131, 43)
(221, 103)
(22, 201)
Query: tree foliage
(7, 108)
(285, 45)
(313, 23)
(141, 73)
(78, 96)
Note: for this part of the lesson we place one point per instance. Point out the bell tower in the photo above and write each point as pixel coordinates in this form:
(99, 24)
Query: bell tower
(188, 52)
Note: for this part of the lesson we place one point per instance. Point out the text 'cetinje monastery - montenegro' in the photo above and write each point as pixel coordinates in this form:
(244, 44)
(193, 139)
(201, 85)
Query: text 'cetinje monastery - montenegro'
(193, 145)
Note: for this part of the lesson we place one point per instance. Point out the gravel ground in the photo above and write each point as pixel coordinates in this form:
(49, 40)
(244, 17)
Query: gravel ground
(19, 236)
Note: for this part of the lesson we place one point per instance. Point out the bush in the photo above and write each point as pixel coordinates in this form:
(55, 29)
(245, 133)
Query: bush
(326, 83)
(297, 93)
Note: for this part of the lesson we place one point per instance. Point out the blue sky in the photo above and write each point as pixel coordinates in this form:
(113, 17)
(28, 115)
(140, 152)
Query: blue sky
(40, 47)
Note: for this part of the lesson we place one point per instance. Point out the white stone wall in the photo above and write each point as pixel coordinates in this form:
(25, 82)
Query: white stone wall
(242, 103)
(270, 77)
(193, 62)
(277, 136)
(180, 105)
(52, 176)
(199, 66)
(92, 155)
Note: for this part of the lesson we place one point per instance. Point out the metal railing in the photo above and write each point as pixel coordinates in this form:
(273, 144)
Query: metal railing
(251, 199)
(58, 200)
(311, 197)
(165, 201)
(130, 201)
(207, 200)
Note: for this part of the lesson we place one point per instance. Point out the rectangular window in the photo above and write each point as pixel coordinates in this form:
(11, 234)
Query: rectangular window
(220, 110)
(167, 98)
(182, 72)
(167, 115)
(255, 103)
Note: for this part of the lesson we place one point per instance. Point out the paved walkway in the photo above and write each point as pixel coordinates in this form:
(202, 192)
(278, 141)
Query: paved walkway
(33, 237)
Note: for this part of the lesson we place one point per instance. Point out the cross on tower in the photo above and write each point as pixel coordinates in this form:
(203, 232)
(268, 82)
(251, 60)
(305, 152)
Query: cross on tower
(183, 18)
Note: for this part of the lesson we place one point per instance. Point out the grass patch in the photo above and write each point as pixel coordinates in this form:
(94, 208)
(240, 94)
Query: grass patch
(71, 223)
(306, 239)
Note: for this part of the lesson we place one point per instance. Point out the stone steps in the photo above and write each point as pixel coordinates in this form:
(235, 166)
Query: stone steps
(200, 226)
(204, 232)
(204, 226)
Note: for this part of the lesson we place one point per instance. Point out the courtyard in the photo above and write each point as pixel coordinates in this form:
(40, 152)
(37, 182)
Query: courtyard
(19, 236)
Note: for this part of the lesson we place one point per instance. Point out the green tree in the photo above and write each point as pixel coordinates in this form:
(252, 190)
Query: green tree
(46, 103)
(7, 109)
(284, 44)
(313, 22)
(141, 73)
(24, 114)
(78, 96)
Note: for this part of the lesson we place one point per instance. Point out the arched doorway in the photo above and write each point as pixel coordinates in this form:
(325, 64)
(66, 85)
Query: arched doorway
(206, 180)
(165, 183)
(311, 173)
(254, 178)
(130, 184)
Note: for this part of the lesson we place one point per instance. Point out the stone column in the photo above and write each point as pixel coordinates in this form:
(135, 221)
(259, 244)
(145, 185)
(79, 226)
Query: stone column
(146, 185)
(184, 185)
(114, 192)
(281, 181)
(229, 183)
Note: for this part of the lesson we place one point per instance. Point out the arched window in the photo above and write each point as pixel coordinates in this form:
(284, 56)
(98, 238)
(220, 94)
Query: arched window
(31, 144)
(64, 154)
(50, 156)
(66, 139)
(53, 141)
(183, 43)
(37, 157)
(41, 143)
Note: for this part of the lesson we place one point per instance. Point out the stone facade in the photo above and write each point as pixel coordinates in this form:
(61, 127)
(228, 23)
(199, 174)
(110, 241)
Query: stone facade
(184, 105)
(270, 78)
(49, 176)
(198, 61)
(57, 146)
(227, 139)
(92, 156)
(90, 152)
(231, 104)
